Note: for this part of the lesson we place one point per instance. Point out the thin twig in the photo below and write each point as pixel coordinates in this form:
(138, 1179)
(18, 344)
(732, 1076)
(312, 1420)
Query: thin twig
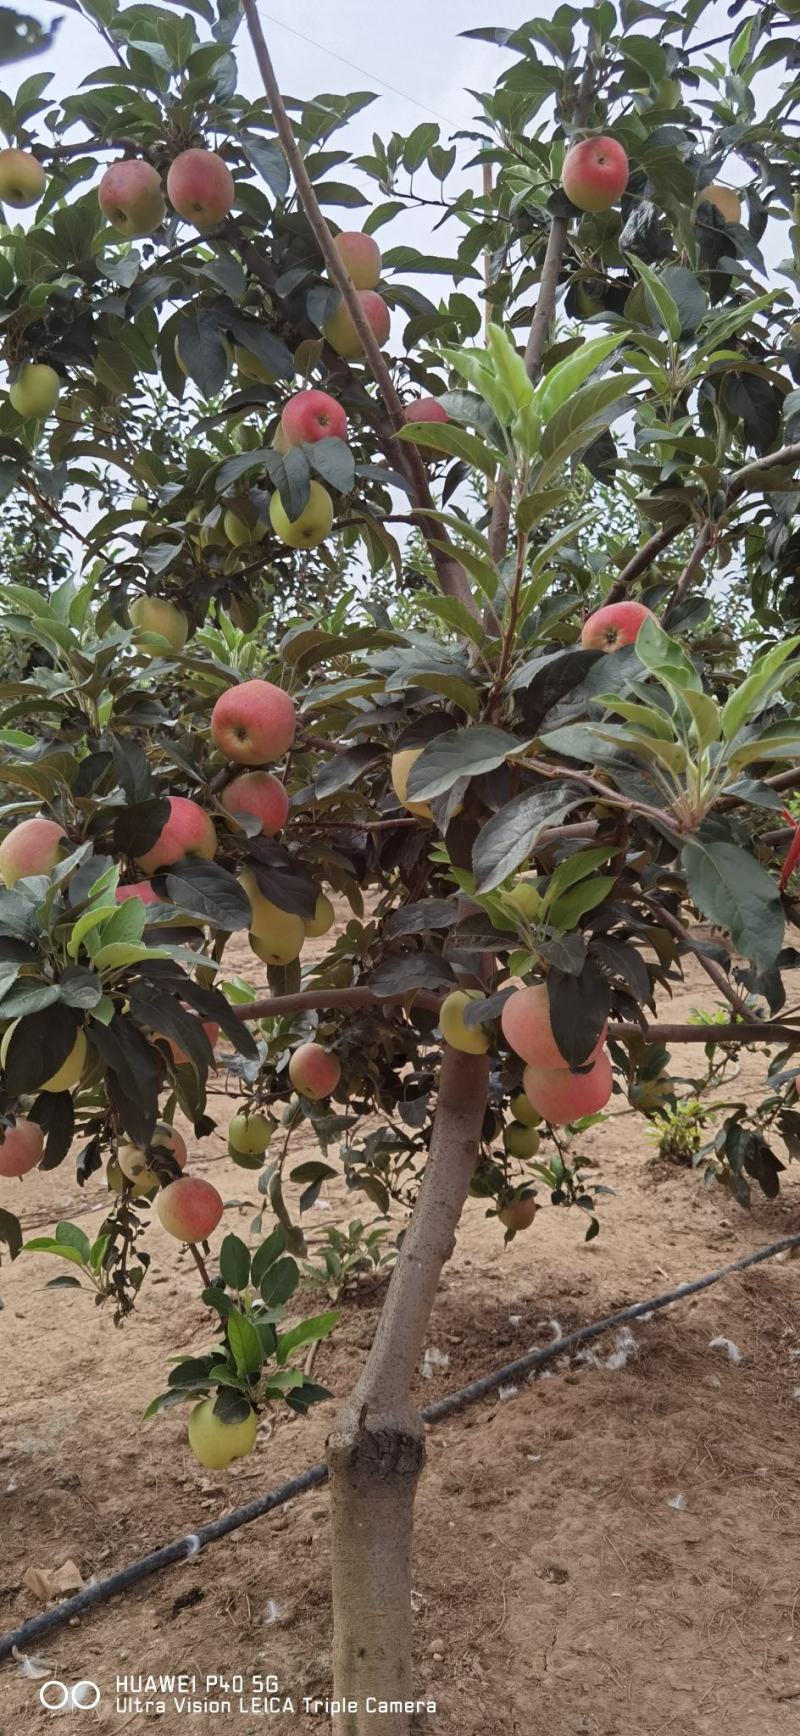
(711, 968)
(451, 575)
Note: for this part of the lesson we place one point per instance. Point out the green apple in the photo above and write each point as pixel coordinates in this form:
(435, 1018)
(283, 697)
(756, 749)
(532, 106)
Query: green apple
(216, 1443)
(34, 393)
(313, 524)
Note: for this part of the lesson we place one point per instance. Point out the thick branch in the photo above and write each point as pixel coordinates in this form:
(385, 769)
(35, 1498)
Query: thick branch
(703, 543)
(451, 575)
(643, 559)
(342, 1000)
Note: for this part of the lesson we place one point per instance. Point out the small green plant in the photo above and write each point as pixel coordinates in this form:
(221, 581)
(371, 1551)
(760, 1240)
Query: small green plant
(346, 1256)
(678, 1133)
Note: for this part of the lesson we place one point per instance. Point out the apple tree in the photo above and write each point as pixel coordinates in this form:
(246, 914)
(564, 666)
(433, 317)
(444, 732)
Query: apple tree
(479, 613)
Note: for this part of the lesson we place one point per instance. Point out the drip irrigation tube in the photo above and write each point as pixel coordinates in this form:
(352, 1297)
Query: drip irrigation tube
(183, 1548)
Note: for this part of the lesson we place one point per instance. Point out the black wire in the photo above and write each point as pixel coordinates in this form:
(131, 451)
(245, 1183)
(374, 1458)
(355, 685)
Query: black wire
(184, 1547)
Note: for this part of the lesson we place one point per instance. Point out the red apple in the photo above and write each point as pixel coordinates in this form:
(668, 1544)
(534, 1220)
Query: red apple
(425, 410)
(311, 416)
(201, 188)
(132, 198)
(595, 173)
(341, 333)
(32, 847)
(361, 257)
(189, 831)
(260, 794)
(137, 889)
(616, 625)
(190, 1208)
(21, 1147)
(253, 722)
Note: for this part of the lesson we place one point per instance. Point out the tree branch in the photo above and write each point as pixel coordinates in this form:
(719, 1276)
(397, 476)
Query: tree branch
(709, 965)
(451, 575)
(703, 543)
(643, 559)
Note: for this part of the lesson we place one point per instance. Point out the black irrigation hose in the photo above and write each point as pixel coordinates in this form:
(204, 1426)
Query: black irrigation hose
(185, 1547)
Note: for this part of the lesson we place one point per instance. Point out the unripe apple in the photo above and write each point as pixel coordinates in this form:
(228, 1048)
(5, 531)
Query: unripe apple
(311, 416)
(520, 1141)
(341, 334)
(216, 1443)
(179, 1055)
(135, 1163)
(399, 773)
(132, 199)
(425, 410)
(251, 368)
(279, 441)
(137, 889)
(314, 1071)
(360, 256)
(22, 179)
(34, 394)
(21, 1147)
(158, 615)
(189, 1208)
(200, 186)
(276, 936)
(65, 1076)
(525, 899)
(562, 1096)
(312, 526)
(523, 1111)
(518, 1215)
(322, 920)
(595, 173)
(724, 199)
(242, 526)
(188, 831)
(32, 847)
(250, 1133)
(468, 1039)
(525, 1022)
(613, 626)
(253, 722)
(259, 794)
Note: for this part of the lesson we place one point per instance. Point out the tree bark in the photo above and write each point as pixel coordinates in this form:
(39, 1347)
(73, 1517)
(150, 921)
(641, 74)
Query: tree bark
(377, 1448)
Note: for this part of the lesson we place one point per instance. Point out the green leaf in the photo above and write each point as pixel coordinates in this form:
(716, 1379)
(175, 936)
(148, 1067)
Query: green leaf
(307, 1332)
(508, 838)
(563, 380)
(658, 293)
(234, 1263)
(568, 910)
(509, 367)
(456, 443)
(665, 658)
(245, 1344)
(279, 1282)
(459, 753)
(731, 889)
(766, 677)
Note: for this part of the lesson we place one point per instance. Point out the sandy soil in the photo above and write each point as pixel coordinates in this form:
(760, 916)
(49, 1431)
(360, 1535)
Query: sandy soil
(610, 1551)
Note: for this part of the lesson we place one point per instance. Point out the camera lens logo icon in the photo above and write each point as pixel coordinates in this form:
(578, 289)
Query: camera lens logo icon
(58, 1696)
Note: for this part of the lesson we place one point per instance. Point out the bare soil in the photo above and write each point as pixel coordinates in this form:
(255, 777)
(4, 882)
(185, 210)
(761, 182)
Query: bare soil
(611, 1550)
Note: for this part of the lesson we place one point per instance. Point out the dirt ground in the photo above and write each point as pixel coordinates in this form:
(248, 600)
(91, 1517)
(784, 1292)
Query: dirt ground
(612, 1550)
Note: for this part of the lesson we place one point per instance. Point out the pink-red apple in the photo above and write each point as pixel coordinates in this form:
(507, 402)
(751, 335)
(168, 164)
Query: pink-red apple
(137, 889)
(425, 410)
(615, 625)
(131, 198)
(259, 794)
(311, 416)
(32, 847)
(340, 330)
(22, 179)
(21, 1147)
(526, 1026)
(595, 173)
(253, 722)
(201, 188)
(361, 257)
(314, 1071)
(189, 1208)
(561, 1096)
(188, 831)
(518, 1215)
